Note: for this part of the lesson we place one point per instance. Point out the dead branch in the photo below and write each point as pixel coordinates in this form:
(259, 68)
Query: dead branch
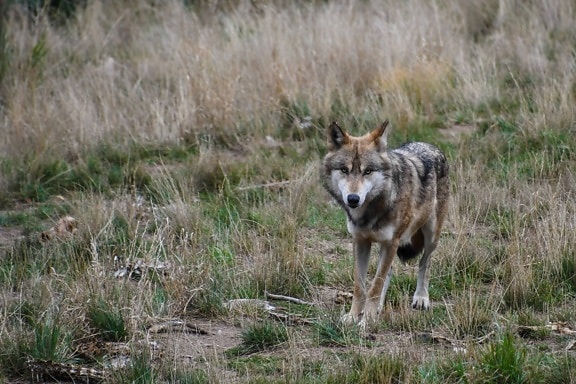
(560, 327)
(287, 298)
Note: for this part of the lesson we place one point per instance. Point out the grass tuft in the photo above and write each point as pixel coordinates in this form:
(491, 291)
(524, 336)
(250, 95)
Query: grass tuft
(107, 321)
(331, 331)
(260, 337)
(504, 361)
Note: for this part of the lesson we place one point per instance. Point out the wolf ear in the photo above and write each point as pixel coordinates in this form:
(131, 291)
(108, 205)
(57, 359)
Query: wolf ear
(336, 136)
(379, 136)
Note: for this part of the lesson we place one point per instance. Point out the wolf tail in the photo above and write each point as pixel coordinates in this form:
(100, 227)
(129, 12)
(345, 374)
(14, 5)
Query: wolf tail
(410, 250)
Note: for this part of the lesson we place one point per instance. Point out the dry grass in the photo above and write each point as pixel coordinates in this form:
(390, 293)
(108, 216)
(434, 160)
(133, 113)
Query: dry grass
(189, 137)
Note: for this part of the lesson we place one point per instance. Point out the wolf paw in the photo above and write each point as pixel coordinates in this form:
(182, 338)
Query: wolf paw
(350, 318)
(420, 302)
(371, 312)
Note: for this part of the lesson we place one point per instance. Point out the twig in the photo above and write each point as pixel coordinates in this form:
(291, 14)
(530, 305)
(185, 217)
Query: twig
(482, 339)
(287, 298)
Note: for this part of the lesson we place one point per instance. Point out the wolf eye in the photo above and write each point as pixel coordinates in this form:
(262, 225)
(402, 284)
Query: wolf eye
(367, 171)
(344, 170)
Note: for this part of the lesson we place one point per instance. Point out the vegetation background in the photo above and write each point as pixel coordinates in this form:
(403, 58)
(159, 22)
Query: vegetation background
(184, 139)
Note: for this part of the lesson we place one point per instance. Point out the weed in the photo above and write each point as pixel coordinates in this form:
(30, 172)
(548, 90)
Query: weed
(503, 361)
(159, 300)
(471, 315)
(331, 331)
(15, 352)
(51, 342)
(406, 319)
(193, 376)
(567, 273)
(139, 371)
(558, 370)
(209, 300)
(446, 370)
(107, 321)
(260, 337)
(257, 365)
(381, 368)
(20, 263)
(401, 287)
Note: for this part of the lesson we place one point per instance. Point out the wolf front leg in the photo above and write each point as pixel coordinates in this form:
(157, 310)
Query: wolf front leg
(361, 250)
(381, 281)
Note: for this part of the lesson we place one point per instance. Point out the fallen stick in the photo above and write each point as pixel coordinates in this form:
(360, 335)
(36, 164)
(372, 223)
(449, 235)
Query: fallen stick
(287, 298)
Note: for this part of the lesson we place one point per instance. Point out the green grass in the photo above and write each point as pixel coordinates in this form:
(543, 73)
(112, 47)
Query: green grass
(331, 331)
(196, 376)
(452, 370)
(139, 371)
(373, 369)
(257, 365)
(51, 342)
(108, 322)
(103, 169)
(504, 361)
(260, 337)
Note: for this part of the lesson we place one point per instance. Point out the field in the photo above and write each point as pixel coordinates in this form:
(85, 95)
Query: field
(159, 184)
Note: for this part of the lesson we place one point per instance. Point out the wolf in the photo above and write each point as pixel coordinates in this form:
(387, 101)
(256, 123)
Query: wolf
(397, 198)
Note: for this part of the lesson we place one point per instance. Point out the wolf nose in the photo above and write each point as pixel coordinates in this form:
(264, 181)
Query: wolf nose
(353, 200)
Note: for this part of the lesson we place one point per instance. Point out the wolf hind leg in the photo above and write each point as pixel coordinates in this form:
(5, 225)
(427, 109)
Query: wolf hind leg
(421, 299)
(412, 249)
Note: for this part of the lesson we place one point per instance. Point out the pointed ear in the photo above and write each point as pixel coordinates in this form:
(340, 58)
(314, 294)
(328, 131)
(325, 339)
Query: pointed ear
(336, 136)
(379, 136)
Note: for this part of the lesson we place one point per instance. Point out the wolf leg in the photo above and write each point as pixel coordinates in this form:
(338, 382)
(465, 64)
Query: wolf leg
(381, 281)
(361, 259)
(421, 299)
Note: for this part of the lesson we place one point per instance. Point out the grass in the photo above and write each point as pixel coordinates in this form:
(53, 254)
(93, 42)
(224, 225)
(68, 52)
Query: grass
(373, 369)
(186, 139)
(504, 361)
(107, 322)
(330, 331)
(260, 337)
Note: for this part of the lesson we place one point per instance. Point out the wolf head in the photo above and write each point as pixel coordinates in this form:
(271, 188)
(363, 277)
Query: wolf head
(356, 170)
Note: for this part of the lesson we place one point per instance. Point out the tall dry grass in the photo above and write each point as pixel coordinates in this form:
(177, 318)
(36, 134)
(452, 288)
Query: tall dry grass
(147, 72)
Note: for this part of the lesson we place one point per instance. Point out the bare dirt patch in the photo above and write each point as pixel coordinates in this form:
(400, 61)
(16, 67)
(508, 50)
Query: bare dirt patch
(186, 347)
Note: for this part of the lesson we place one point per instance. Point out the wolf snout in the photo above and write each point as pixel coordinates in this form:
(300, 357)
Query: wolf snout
(353, 200)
